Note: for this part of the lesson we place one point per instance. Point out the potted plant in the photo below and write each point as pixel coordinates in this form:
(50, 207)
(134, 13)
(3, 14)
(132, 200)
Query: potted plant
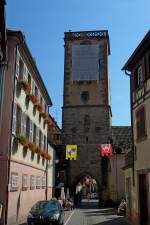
(32, 146)
(24, 85)
(39, 107)
(37, 149)
(44, 115)
(22, 139)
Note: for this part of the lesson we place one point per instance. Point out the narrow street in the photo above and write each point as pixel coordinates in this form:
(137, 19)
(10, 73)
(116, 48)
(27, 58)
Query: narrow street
(89, 214)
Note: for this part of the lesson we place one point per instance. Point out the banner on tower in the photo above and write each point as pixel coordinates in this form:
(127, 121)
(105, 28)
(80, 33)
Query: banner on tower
(105, 150)
(71, 152)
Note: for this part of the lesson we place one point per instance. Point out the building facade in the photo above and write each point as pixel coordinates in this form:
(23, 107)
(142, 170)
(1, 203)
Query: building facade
(86, 112)
(25, 156)
(138, 179)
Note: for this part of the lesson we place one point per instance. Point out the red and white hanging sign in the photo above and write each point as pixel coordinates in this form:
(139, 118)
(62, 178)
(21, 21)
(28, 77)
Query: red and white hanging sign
(105, 149)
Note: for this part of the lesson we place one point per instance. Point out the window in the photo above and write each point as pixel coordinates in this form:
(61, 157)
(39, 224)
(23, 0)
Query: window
(140, 123)
(17, 63)
(18, 120)
(21, 66)
(29, 79)
(31, 131)
(32, 182)
(45, 107)
(14, 181)
(149, 64)
(14, 118)
(86, 122)
(25, 72)
(45, 142)
(23, 123)
(25, 182)
(138, 77)
(43, 182)
(40, 134)
(28, 127)
(36, 92)
(84, 96)
(37, 136)
(42, 140)
(34, 134)
(38, 182)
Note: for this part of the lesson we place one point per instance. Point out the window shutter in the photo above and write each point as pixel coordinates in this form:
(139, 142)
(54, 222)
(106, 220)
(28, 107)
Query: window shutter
(14, 118)
(25, 72)
(17, 63)
(31, 131)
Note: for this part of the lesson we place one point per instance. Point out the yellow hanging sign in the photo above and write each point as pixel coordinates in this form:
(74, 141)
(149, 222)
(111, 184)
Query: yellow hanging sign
(71, 152)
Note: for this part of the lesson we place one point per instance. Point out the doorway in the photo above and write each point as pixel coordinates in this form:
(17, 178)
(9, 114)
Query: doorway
(143, 199)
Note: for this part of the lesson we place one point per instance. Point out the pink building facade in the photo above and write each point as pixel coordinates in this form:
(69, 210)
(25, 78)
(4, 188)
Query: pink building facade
(26, 158)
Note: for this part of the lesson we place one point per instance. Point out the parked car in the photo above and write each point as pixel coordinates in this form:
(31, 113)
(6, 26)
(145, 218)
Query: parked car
(46, 212)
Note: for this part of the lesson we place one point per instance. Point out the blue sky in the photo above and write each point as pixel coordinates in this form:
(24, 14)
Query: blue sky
(45, 21)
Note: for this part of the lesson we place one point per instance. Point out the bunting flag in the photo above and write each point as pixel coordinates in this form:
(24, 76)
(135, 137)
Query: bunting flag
(71, 152)
(105, 150)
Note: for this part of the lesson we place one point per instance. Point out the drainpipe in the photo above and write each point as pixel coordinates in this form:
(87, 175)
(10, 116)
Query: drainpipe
(131, 111)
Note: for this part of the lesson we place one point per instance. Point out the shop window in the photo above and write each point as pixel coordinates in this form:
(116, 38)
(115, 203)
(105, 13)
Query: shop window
(14, 181)
(43, 182)
(38, 182)
(141, 123)
(32, 182)
(25, 182)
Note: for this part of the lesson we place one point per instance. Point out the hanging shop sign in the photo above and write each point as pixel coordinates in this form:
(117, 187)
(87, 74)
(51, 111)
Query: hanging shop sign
(71, 152)
(105, 150)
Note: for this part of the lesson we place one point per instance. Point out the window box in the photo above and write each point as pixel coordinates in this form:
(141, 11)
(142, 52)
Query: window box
(32, 147)
(33, 98)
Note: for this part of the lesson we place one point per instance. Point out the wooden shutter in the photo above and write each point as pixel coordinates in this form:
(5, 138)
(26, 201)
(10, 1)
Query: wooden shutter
(14, 118)
(17, 63)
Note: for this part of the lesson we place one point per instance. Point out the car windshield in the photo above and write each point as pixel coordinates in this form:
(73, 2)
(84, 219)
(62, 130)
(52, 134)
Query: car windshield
(39, 205)
(45, 205)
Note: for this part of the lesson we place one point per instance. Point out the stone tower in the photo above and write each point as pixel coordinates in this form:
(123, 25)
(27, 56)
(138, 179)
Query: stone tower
(86, 114)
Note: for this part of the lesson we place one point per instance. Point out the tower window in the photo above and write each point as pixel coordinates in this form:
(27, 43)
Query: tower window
(86, 122)
(84, 96)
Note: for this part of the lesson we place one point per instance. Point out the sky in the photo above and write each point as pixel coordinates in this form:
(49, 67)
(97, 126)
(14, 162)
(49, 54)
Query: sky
(44, 22)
